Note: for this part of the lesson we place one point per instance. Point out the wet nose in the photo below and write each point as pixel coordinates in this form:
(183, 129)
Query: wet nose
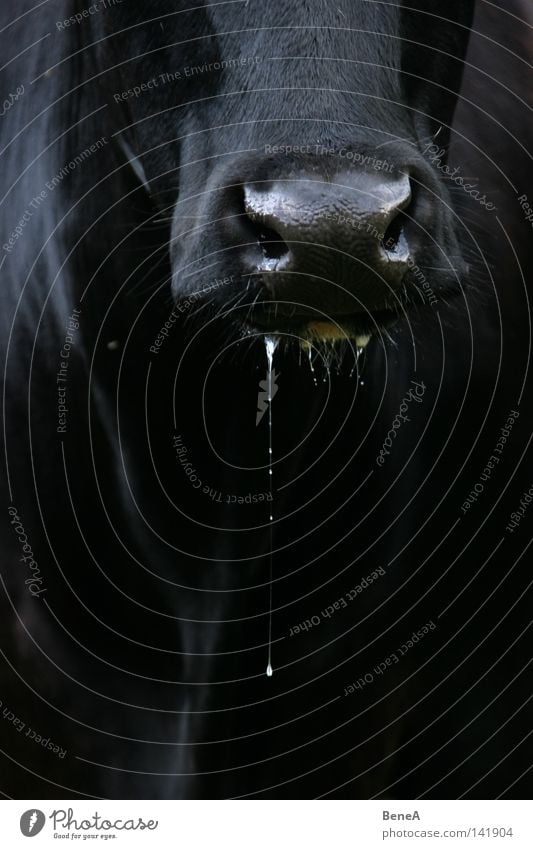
(350, 231)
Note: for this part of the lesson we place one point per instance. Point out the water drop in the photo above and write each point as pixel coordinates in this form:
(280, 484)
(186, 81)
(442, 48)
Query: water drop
(358, 353)
(310, 354)
(271, 345)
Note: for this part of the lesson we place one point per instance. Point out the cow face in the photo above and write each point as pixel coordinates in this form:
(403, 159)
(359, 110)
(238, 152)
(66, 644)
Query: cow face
(284, 144)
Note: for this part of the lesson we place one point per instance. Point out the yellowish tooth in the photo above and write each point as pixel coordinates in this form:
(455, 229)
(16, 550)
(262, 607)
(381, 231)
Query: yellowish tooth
(325, 330)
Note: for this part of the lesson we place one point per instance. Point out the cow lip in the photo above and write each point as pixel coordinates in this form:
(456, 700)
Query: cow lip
(359, 326)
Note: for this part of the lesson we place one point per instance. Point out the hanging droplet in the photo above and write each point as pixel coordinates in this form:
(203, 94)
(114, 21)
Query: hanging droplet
(358, 353)
(271, 344)
(310, 354)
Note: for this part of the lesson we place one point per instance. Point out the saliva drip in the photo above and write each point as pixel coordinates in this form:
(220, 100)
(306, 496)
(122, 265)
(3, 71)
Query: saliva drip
(271, 345)
(358, 354)
(310, 354)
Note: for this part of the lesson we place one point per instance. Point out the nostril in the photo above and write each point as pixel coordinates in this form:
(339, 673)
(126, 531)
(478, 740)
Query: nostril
(393, 241)
(260, 220)
(270, 242)
(391, 238)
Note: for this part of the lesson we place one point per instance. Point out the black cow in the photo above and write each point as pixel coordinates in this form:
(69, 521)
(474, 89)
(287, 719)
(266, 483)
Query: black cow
(180, 183)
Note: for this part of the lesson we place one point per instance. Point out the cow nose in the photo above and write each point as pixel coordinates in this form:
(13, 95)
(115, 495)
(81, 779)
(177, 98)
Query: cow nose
(349, 231)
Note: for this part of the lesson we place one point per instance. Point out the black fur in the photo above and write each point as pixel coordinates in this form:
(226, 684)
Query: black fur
(144, 653)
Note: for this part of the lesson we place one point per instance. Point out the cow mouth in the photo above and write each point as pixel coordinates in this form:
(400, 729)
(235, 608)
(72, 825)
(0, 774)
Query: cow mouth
(308, 327)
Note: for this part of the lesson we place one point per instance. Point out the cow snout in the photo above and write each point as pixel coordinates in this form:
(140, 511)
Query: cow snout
(326, 249)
